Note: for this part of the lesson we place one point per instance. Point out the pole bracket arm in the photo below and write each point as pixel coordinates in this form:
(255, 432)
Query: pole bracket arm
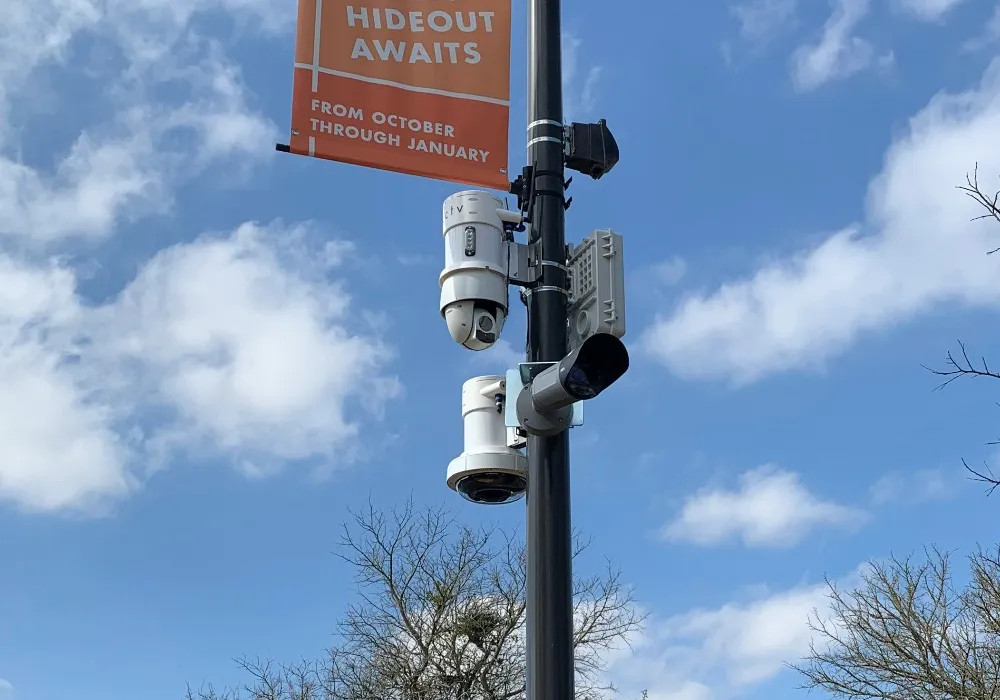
(523, 268)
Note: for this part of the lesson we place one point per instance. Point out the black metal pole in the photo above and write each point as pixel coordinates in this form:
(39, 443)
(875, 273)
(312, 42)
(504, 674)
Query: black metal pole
(549, 538)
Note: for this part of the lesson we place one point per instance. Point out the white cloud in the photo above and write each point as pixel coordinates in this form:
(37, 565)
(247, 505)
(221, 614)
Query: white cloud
(91, 188)
(927, 10)
(989, 35)
(771, 508)
(416, 259)
(993, 25)
(126, 168)
(687, 690)
(124, 164)
(154, 36)
(499, 358)
(5, 687)
(760, 20)
(237, 346)
(658, 281)
(579, 81)
(710, 654)
(839, 53)
(916, 250)
(911, 487)
(251, 350)
(671, 271)
(755, 639)
(34, 33)
(58, 448)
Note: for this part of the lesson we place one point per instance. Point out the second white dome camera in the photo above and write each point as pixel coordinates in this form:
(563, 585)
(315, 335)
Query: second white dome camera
(489, 470)
(474, 280)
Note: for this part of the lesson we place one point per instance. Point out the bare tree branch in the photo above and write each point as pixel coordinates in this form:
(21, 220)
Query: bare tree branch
(987, 201)
(907, 632)
(958, 367)
(962, 367)
(440, 615)
(986, 477)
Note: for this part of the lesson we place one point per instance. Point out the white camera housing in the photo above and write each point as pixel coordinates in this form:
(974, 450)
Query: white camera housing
(488, 471)
(475, 276)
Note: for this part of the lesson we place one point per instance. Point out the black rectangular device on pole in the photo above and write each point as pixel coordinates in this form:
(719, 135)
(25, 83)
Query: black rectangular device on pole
(549, 536)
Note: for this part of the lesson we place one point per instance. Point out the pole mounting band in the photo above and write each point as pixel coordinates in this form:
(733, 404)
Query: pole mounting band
(540, 139)
(550, 288)
(544, 122)
(553, 263)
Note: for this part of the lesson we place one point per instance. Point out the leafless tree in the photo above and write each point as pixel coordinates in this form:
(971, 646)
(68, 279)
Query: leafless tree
(440, 615)
(961, 365)
(982, 197)
(907, 632)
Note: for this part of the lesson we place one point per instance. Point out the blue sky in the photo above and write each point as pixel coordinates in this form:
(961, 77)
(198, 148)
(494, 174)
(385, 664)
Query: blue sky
(210, 351)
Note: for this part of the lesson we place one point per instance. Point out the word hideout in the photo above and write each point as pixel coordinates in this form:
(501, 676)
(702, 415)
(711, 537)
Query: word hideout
(415, 22)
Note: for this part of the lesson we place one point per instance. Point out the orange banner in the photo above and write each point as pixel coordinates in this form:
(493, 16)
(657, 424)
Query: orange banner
(414, 86)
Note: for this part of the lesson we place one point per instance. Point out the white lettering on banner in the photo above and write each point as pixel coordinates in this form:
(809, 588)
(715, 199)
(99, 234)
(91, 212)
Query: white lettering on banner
(356, 133)
(392, 121)
(418, 21)
(448, 149)
(440, 52)
(398, 122)
(338, 110)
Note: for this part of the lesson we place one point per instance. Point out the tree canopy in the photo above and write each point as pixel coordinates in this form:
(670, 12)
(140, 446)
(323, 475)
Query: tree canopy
(908, 632)
(440, 615)
(960, 364)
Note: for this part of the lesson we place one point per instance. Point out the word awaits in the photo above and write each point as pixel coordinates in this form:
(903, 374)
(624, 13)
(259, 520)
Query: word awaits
(417, 52)
(439, 21)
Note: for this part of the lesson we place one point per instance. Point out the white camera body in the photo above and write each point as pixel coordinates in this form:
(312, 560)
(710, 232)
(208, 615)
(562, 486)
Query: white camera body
(475, 276)
(489, 470)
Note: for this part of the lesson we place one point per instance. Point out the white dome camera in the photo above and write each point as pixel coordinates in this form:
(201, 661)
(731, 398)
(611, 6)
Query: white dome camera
(475, 276)
(488, 471)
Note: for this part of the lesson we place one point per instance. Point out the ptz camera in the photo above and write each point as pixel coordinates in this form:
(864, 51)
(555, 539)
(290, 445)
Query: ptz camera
(475, 276)
(475, 324)
(488, 471)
